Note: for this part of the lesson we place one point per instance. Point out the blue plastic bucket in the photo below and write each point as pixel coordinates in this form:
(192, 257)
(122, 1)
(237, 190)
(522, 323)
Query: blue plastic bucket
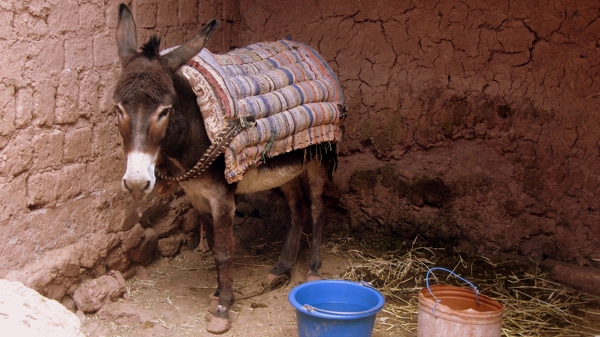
(332, 308)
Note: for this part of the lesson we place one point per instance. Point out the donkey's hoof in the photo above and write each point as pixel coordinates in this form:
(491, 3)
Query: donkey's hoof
(313, 277)
(270, 279)
(218, 325)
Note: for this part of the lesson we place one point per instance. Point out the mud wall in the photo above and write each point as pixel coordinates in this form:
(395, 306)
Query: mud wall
(63, 216)
(473, 124)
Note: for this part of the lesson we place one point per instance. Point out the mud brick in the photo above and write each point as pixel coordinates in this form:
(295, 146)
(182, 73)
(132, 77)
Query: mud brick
(63, 17)
(167, 14)
(49, 61)
(48, 149)
(104, 52)
(17, 156)
(7, 103)
(66, 102)
(106, 88)
(111, 13)
(100, 174)
(13, 56)
(71, 181)
(145, 14)
(78, 52)
(30, 26)
(41, 188)
(187, 11)
(16, 189)
(88, 93)
(91, 14)
(78, 144)
(24, 107)
(105, 139)
(43, 103)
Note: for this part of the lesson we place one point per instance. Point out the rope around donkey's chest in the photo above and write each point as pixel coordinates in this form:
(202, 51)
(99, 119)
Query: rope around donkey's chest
(213, 151)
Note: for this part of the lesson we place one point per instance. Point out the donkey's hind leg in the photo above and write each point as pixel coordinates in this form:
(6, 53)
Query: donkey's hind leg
(317, 174)
(292, 191)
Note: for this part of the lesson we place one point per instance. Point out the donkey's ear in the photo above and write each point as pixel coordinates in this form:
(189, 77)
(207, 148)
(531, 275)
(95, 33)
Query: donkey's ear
(126, 33)
(186, 51)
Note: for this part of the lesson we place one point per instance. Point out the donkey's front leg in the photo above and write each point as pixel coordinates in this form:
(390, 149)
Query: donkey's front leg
(222, 211)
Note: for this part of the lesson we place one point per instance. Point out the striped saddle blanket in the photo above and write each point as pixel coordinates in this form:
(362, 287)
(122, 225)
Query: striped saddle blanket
(293, 95)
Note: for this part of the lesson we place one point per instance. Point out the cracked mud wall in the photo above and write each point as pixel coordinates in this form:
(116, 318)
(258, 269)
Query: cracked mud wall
(63, 216)
(494, 101)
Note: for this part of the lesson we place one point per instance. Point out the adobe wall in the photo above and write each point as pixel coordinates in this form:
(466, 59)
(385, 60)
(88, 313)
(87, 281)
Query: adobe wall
(472, 124)
(63, 216)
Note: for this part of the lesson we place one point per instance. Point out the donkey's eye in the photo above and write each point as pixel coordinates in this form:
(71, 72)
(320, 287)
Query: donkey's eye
(164, 113)
(117, 111)
(120, 114)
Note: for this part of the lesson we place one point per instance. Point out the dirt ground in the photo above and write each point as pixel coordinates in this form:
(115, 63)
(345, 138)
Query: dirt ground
(171, 300)
(170, 297)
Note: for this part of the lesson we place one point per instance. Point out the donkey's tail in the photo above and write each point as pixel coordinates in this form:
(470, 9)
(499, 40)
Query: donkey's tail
(332, 161)
(326, 153)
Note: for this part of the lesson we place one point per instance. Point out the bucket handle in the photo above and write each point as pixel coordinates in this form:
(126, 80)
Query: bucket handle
(437, 301)
(310, 308)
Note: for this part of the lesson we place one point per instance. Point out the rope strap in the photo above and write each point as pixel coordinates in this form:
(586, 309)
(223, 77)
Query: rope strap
(214, 150)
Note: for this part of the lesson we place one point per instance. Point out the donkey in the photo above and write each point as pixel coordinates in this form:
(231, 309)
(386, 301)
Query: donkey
(161, 126)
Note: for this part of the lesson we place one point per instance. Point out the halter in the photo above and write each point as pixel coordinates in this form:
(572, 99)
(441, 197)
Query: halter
(213, 151)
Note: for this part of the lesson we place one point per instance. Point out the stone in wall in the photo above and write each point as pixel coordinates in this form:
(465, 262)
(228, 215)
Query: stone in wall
(168, 224)
(116, 259)
(190, 222)
(142, 252)
(93, 294)
(169, 246)
(133, 237)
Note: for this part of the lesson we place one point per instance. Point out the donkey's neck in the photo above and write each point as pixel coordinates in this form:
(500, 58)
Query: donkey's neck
(186, 139)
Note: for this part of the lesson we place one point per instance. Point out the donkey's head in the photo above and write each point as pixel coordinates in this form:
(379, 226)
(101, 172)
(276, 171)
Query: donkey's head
(144, 98)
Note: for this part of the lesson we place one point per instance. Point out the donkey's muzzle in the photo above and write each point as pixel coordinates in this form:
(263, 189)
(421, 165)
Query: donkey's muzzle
(139, 177)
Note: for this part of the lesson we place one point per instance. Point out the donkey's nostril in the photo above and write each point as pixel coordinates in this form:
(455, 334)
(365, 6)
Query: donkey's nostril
(125, 185)
(137, 188)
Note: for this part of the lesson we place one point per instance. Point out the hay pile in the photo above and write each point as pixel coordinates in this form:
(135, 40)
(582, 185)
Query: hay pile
(534, 305)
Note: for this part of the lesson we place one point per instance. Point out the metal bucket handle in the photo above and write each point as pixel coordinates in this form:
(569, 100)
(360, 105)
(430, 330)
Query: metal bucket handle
(310, 308)
(437, 301)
